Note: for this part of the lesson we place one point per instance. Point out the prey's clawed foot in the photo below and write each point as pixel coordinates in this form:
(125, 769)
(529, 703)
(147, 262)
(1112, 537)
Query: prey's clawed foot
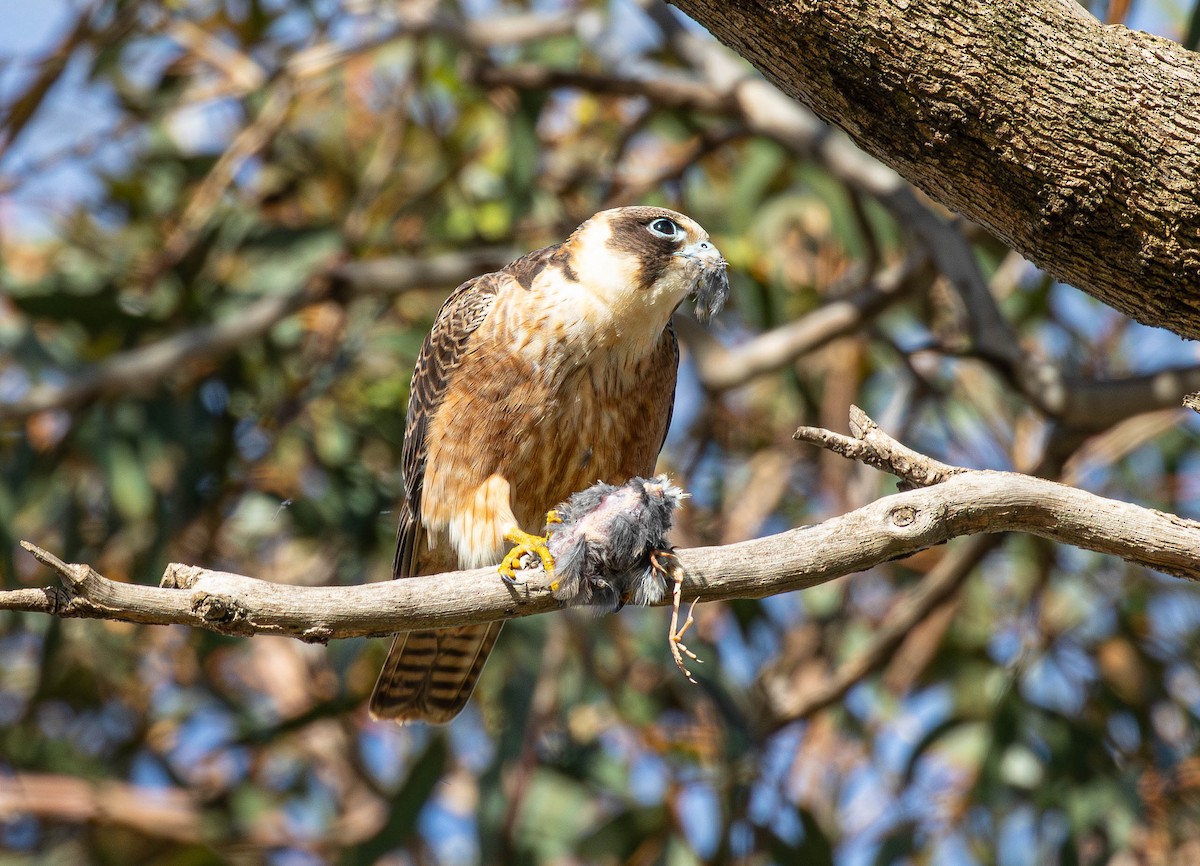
(678, 648)
(668, 564)
(525, 544)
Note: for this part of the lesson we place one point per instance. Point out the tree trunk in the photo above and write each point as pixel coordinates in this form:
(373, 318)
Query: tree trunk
(1074, 142)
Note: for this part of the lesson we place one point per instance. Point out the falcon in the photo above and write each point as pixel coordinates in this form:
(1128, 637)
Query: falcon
(535, 382)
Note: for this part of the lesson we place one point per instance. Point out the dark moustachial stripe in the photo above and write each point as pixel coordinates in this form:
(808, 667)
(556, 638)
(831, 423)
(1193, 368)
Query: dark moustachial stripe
(526, 269)
(561, 259)
(631, 237)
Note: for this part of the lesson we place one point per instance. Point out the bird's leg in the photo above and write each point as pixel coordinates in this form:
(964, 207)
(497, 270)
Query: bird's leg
(675, 637)
(526, 543)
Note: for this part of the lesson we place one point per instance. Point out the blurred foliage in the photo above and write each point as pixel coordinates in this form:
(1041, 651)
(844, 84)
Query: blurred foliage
(242, 150)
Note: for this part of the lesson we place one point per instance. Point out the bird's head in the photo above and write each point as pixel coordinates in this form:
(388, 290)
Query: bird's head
(644, 261)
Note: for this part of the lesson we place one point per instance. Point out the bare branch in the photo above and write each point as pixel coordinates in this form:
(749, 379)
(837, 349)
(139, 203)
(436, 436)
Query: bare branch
(872, 446)
(398, 274)
(959, 502)
(721, 368)
(1095, 404)
(140, 369)
(207, 195)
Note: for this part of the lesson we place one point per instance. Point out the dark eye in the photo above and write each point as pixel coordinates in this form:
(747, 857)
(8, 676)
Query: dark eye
(665, 228)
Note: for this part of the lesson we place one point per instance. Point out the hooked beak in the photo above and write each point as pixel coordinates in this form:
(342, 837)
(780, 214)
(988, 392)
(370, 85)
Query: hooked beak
(712, 283)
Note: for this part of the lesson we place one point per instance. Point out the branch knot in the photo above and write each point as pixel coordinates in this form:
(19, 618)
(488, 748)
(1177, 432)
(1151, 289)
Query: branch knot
(218, 610)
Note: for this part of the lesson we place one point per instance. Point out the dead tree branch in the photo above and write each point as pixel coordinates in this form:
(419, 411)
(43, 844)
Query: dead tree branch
(949, 502)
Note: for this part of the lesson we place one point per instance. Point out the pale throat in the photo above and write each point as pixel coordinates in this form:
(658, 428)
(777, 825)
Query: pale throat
(611, 312)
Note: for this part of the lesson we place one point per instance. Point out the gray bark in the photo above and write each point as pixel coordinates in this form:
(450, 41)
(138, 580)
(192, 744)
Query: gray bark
(949, 502)
(1072, 141)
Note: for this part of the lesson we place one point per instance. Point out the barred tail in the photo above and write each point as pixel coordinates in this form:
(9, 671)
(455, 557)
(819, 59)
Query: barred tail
(429, 674)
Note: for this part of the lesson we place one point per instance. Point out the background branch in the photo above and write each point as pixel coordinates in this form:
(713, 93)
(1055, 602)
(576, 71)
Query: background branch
(786, 703)
(141, 369)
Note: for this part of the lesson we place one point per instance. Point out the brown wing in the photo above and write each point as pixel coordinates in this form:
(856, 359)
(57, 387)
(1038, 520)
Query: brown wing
(429, 674)
(440, 356)
(672, 371)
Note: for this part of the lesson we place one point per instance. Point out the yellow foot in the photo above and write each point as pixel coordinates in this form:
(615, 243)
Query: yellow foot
(526, 543)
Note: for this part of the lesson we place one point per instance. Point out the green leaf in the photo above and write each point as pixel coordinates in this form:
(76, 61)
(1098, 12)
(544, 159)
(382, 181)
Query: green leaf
(131, 492)
(406, 805)
(621, 835)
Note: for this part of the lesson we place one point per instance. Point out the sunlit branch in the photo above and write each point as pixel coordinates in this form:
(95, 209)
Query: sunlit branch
(949, 502)
(1096, 404)
(162, 813)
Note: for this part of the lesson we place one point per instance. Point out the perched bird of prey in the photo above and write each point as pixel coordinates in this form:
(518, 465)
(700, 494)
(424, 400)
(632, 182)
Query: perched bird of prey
(535, 382)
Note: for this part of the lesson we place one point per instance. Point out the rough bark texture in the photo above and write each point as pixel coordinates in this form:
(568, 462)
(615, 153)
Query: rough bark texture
(1074, 142)
(959, 502)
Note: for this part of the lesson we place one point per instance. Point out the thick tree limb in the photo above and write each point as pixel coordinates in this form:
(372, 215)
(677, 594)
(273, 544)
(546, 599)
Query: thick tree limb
(951, 502)
(1072, 141)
